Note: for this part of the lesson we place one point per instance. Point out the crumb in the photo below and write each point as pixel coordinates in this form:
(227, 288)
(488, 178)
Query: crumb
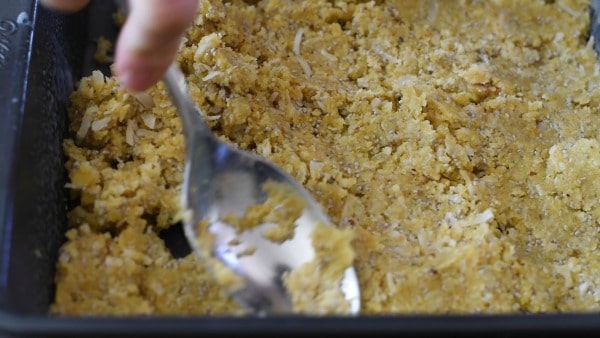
(458, 142)
(104, 49)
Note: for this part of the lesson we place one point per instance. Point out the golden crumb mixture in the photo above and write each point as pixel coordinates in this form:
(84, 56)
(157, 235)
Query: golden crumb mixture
(457, 140)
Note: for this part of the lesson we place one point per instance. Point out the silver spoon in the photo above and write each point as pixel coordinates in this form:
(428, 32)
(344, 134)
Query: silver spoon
(220, 180)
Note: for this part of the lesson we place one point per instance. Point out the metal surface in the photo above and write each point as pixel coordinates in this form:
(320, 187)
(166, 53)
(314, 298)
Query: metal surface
(221, 180)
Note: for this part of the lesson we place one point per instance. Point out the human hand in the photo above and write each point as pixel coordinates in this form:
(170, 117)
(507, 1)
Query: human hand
(149, 39)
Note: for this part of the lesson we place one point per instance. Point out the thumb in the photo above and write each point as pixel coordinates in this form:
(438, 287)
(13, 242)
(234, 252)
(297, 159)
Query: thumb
(149, 40)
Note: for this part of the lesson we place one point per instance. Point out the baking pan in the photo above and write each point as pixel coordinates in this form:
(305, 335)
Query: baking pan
(42, 54)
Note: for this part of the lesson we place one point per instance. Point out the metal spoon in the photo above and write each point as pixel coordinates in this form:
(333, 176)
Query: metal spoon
(220, 180)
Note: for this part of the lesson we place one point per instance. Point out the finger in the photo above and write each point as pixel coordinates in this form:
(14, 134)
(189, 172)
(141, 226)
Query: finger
(149, 40)
(65, 5)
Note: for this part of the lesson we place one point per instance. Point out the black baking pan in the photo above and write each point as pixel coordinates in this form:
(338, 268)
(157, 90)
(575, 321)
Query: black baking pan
(42, 54)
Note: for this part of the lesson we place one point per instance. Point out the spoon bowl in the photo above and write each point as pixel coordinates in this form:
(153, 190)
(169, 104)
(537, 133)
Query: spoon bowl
(221, 180)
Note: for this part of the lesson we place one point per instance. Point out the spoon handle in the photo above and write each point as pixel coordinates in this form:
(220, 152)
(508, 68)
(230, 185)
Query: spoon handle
(192, 121)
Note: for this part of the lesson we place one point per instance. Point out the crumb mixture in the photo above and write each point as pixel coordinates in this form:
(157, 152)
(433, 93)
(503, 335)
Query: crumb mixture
(457, 140)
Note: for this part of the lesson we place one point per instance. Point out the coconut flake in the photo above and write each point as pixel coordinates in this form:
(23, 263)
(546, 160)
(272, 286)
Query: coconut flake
(433, 11)
(568, 10)
(100, 124)
(211, 75)
(130, 132)
(483, 217)
(97, 79)
(145, 133)
(86, 121)
(386, 56)
(315, 167)
(305, 66)
(206, 44)
(145, 99)
(329, 56)
(149, 120)
(298, 41)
